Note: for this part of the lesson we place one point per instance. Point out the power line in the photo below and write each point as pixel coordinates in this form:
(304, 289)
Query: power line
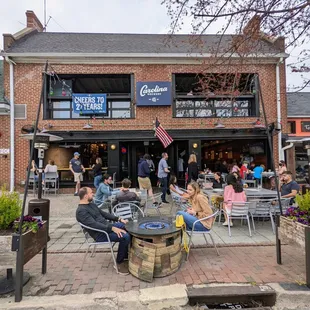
(50, 17)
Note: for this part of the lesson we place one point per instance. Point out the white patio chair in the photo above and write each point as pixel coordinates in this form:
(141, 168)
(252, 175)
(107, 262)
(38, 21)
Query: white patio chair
(192, 232)
(179, 202)
(33, 182)
(239, 210)
(125, 210)
(89, 242)
(262, 209)
(51, 178)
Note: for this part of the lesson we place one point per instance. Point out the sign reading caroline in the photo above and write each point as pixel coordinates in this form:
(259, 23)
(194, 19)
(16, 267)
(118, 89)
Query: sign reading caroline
(153, 93)
(89, 103)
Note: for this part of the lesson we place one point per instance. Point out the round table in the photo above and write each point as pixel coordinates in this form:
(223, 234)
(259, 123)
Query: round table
(156, 247)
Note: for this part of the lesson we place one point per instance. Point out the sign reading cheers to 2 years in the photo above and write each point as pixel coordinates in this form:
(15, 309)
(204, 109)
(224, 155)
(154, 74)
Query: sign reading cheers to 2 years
(153, 93)
(89, 103)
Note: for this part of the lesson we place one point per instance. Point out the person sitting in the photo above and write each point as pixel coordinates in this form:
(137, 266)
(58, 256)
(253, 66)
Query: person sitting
(90, 215)
(200, 208)
(50, 167)
(289, 187)
(218, 181)
(125, 195)
(244, 171)
(103, 193)
(233, 192)
(173, 186)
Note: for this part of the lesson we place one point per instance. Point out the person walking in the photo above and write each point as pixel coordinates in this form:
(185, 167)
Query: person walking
(163, 171)
(192, 168)
(97, 169)
(77, 169)
(144, 175)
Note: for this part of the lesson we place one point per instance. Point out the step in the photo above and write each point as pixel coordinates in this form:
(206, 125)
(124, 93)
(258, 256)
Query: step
(214, 295)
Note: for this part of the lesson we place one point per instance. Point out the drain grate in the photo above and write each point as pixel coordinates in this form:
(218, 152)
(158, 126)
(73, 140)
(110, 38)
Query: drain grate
(64, 226)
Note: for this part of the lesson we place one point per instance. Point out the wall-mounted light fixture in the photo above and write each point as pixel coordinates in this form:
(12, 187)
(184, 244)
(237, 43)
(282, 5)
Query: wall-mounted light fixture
(219, 124)
(258, 124)
(88, 126)
(195, 145)
(113, 147)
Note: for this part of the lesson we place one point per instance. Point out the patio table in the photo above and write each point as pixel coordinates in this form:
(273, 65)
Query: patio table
(250, 192)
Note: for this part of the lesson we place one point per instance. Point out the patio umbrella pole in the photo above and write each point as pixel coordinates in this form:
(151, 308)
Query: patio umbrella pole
(19, 254)
(277, 217)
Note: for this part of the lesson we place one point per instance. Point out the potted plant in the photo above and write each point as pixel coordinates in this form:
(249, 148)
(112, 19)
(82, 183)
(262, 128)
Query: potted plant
(33, 237)
(295, 221)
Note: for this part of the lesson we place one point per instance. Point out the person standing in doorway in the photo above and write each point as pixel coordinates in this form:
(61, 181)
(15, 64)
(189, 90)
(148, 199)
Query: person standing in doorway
(192, 168)
(181, 166)
(163, 171)
(77, 169)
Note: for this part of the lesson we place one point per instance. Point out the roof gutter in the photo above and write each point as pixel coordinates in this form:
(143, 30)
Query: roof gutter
(144, 55)
(12, 125)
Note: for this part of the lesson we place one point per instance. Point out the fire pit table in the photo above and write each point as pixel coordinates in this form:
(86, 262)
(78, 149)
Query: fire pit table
(156, 248)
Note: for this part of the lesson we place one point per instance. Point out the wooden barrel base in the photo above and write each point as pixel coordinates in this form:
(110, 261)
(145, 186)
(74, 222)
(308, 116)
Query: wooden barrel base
(156, 256)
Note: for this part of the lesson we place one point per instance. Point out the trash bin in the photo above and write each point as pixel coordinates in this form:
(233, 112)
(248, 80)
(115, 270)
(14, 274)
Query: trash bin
(40, 207)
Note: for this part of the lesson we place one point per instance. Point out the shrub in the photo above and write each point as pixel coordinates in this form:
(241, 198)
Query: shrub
(10, 208)
(301, 213)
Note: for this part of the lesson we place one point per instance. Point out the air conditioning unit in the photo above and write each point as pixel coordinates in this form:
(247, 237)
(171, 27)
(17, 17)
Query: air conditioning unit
(4, 108)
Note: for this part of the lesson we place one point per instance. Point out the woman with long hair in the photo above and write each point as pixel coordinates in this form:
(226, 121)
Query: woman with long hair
(97, 169)
(233, 192)
(200, 208)
(192, 168)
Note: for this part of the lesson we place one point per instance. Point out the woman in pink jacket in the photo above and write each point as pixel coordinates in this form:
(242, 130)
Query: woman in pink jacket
(233, 192)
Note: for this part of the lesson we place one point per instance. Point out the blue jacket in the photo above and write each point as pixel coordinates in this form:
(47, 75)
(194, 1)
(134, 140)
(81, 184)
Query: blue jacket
(103, 193)
(143, 168)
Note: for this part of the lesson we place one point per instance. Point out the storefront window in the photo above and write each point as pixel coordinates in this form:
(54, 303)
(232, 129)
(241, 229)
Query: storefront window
(215, 95)
(117, 87)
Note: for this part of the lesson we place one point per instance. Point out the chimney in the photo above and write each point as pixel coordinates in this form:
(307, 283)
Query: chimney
(252, 28)
(33, 21)
(8, 40)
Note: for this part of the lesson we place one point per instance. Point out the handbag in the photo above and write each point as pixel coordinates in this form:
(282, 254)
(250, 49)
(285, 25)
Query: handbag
(180, 223)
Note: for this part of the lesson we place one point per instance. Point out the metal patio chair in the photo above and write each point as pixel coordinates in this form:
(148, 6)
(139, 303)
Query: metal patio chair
(239, 210)
(261, 208)
(91, 242)
(192, 232)
(33, 182)
(125, 210)
(149, 204)
(51, 178)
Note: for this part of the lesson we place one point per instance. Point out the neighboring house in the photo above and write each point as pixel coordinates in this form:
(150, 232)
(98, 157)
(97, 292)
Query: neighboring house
(141, 77)
(298, 117)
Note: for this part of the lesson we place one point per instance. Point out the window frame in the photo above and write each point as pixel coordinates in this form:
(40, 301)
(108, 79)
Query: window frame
(111, 97)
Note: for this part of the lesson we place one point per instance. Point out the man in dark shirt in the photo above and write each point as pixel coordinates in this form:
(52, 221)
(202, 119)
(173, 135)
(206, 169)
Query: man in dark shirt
(90, 215)
(77, 169)
(125, 195)
(289, 187)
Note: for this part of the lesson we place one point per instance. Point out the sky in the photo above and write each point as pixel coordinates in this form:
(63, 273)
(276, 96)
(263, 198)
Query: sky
(104, 16)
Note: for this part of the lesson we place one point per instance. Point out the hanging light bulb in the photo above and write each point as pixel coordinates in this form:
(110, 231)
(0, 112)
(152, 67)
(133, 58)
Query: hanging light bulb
(51, 91)
(63, 92)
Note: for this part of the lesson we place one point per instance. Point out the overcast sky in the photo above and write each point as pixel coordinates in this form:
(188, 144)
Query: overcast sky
(110, 16)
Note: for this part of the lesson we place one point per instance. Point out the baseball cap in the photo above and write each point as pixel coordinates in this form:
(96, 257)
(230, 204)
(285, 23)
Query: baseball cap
(77, 153)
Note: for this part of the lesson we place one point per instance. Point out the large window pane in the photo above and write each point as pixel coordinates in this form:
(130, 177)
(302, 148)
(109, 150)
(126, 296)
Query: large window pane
(223, 112)
(185, 104)
(184, 113)
(222, 104)
(120, 114)
(61, 114)
(121, 104)
(204, 113)
(61, 104)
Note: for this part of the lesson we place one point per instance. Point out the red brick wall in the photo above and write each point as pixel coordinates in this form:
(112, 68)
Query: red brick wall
(28, 79)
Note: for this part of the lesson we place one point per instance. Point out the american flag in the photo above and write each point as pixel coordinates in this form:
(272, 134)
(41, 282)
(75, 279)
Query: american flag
(162, 134)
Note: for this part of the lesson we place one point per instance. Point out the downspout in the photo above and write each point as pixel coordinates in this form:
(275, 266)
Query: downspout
(287, 147)
(12, 125)
(280, 150)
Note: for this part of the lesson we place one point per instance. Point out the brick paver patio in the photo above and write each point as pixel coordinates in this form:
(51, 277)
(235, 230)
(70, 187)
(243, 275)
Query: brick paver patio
(248, 264)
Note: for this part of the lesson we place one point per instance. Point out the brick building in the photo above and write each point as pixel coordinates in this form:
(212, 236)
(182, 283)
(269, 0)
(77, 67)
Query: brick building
(124, 70)
(298, 116)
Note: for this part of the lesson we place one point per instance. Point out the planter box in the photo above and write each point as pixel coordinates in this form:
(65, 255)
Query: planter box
(291, 231)
(33, 243)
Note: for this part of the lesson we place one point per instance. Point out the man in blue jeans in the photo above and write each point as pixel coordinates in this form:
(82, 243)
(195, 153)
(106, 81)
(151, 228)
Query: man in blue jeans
(90, 215)
(163, 176)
